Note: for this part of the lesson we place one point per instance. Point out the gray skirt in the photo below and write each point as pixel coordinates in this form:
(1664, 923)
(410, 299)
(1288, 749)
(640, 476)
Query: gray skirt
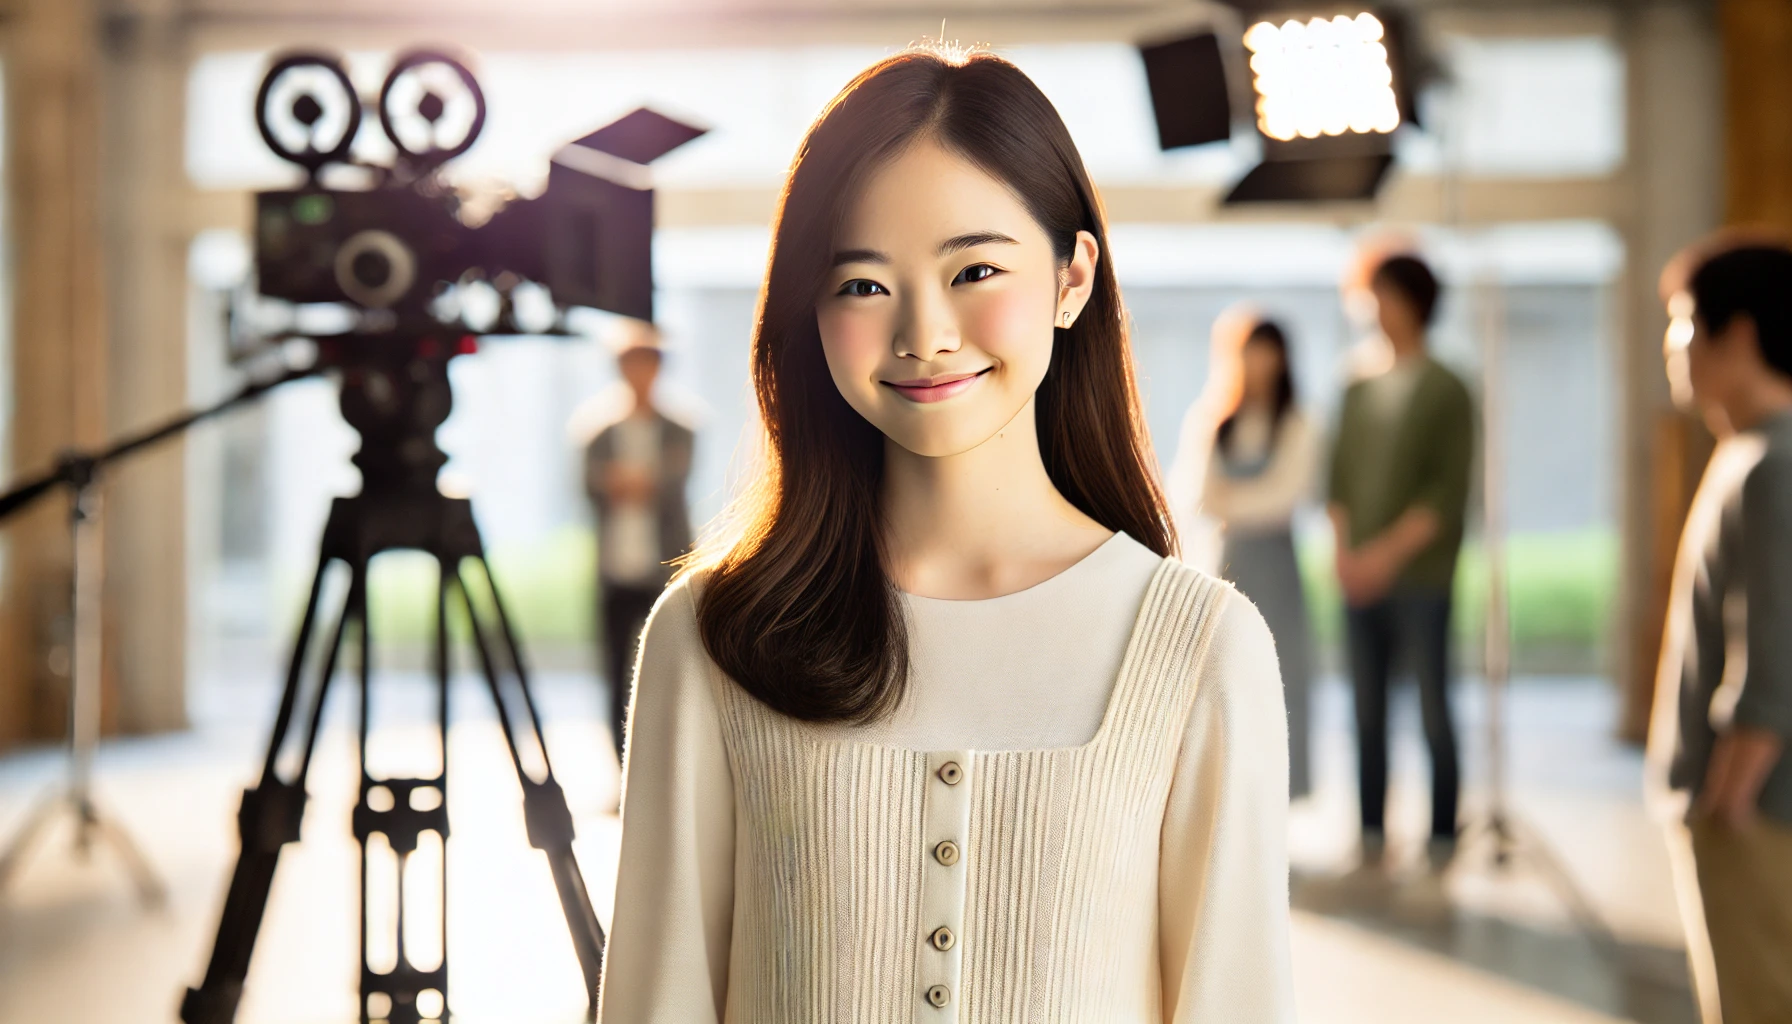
(1263, 568)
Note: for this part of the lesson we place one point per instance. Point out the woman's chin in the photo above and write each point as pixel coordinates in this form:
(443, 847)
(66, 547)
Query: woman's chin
(940, 444)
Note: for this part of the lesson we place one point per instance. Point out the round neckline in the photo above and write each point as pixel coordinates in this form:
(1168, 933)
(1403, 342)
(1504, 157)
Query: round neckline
(1169, 581)
(1105, 549)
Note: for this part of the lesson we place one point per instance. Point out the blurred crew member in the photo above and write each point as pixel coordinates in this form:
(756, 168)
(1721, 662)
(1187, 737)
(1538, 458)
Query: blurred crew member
(1261, 469)
(1398, 497)
(1724, 691)
(635, 473)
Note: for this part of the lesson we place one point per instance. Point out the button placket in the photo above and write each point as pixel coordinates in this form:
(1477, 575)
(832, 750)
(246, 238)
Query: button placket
(944, 856)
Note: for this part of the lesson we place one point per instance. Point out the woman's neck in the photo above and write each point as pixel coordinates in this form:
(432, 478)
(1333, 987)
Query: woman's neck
(982, 523)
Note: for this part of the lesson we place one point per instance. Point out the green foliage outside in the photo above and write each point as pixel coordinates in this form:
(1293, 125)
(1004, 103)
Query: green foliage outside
(1561, 584)
(547, 588)
(1560, 590)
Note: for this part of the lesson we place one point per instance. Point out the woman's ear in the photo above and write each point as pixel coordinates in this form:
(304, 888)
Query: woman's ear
(1078, 279)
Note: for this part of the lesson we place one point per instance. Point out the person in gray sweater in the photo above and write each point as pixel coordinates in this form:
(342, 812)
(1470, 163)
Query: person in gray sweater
(1724, 700)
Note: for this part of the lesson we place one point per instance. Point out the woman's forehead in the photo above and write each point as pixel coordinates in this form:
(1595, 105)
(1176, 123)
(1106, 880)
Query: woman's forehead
(927, 195)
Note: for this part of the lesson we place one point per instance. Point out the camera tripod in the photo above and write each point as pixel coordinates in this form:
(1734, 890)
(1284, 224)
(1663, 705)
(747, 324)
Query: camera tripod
(396, 400)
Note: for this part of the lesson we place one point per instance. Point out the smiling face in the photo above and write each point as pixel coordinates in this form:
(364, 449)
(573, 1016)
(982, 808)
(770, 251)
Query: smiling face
(937, 317)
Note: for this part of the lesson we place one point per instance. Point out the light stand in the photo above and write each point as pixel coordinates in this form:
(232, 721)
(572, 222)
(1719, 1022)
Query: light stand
(1513, 842)
(79, 471)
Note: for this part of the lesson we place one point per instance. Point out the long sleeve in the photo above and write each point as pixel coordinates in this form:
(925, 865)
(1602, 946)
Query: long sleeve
(668, 954)
(1766, 699)
(1223, 880)
(1270, 498)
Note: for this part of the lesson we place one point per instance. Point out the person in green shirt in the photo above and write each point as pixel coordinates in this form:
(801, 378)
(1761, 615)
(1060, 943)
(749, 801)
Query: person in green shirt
(1398, 497)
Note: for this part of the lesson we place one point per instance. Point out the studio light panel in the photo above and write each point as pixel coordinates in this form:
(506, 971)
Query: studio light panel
(1322, 77)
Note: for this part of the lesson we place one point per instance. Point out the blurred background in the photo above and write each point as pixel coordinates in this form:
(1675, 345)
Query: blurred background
(1562, 151)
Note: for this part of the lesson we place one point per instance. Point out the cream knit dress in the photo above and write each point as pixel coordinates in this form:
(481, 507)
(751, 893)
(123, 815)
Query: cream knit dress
(1077, 815)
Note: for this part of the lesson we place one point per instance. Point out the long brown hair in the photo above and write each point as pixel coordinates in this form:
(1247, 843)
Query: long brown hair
(798, 607)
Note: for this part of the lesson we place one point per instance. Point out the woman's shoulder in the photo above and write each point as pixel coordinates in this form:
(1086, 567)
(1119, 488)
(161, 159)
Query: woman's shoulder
(672, 625)
(674, 668)
(1201, 595)
(1229, 630)
(1233, 677)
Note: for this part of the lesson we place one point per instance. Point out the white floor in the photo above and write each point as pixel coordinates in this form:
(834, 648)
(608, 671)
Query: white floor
(1483, 944)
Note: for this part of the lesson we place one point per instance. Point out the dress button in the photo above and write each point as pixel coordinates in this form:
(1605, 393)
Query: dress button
(939, 995)
(942, 938)
(950, 773)
(946, 853)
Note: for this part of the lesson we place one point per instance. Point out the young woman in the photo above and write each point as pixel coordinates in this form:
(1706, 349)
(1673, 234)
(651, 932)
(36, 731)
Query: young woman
(943, 733)
(1262, 468)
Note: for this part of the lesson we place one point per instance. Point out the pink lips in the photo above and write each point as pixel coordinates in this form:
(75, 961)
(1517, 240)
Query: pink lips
(935, 389)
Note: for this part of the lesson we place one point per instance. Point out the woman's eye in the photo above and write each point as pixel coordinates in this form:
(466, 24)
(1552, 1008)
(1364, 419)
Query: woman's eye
(861, 288)
(974, 273)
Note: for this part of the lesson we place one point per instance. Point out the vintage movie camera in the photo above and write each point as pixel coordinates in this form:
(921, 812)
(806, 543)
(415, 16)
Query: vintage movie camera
(391, 252)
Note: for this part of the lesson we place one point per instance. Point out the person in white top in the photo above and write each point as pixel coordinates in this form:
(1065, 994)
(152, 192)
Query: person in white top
(1263, 466)
(940, 731)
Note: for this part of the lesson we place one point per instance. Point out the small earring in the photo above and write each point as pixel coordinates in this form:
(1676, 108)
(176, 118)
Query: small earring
(1066, 318)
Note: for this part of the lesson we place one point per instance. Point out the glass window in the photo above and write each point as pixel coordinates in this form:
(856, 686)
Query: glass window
(1539, 107)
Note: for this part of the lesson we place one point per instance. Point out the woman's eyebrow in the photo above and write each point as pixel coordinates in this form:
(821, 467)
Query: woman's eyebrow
(973, 239)
(845, 256)
(951, 245)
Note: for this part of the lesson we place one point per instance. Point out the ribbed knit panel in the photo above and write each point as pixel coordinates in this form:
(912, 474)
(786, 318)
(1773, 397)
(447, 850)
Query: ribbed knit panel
(1058, 918)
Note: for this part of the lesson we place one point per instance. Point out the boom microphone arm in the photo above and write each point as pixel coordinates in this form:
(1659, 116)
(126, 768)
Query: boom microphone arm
(76, 468)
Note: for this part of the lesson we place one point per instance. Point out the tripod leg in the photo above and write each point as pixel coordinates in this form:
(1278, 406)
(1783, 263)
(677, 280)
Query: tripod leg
(35, 823)
(545, 812)
(268, 820)
(150, 888)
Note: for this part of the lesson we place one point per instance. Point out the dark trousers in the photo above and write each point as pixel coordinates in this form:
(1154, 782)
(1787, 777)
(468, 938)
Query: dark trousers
(1409, 627)
(622, 612)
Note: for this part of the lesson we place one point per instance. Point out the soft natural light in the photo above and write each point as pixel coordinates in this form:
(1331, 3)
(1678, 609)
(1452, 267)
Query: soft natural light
(1322, 77)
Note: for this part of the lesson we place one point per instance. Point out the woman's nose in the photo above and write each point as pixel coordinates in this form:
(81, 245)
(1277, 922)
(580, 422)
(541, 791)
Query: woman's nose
(928, 328)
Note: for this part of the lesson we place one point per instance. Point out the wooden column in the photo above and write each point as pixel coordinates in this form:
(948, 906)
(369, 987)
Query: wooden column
(58, 335)
(146, 238)
(97, 202)
(1674, 174)
(1757, 48)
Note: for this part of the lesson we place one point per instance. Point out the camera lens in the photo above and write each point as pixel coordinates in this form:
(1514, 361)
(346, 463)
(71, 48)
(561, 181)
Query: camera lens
(375, 269)
(371, 269)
